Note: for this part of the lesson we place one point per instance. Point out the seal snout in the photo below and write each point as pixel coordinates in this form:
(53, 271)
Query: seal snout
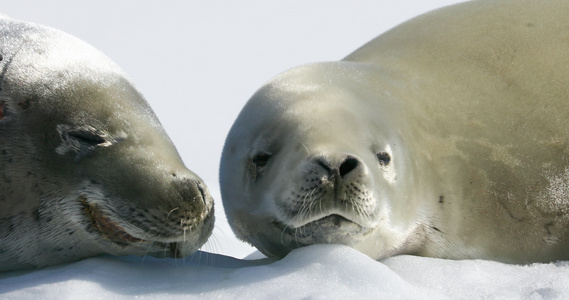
(349, 164)
(195, 197)
(174, 222)
(331, 185)
(339, 170)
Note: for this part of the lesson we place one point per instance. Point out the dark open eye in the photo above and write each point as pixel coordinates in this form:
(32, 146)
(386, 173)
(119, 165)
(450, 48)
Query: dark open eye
(87, 137)
(260, 160)
(258, 163)
(384, 158)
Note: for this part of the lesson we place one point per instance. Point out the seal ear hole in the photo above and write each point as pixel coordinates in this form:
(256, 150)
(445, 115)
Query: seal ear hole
(384, 158)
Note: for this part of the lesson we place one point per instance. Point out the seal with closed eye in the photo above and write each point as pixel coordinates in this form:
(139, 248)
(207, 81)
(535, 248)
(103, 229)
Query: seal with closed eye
(85, 166)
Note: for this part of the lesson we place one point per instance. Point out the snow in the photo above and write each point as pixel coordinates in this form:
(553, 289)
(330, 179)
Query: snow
(197, 62)
(315, 272)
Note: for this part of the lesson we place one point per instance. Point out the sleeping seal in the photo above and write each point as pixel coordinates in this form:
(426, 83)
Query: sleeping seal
(85, 166)
(447, 136)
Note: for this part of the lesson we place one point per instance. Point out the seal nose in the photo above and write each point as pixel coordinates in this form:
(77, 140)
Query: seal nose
(194, 193)
(188, 200)
(344, 168)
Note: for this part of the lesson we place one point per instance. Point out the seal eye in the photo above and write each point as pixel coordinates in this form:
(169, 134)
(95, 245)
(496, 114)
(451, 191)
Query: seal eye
(260, 160)
(258, 163)
(384, 158)
(87, 137)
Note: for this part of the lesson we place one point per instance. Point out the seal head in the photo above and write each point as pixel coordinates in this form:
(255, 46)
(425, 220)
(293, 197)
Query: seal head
(308, 161)
(86, 168)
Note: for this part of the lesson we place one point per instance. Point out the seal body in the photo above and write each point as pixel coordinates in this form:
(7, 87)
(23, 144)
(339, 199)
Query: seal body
(446, 136)
(85, 166)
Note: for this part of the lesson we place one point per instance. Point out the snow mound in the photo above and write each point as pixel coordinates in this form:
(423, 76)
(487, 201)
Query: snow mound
(315, 272)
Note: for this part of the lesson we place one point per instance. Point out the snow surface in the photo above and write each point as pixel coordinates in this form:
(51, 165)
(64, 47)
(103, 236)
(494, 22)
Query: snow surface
(315, 272)
(197, 63)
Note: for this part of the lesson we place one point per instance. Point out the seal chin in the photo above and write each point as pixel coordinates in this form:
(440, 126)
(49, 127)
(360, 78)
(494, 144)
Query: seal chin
(331, 229)
(112, 231)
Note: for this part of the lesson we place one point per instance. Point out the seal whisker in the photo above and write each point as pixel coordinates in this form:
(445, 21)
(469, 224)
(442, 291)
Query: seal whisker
(171, 211)
(308, 153)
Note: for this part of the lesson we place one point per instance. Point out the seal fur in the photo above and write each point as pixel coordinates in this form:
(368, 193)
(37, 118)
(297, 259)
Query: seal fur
(85, 166)
(446, 136)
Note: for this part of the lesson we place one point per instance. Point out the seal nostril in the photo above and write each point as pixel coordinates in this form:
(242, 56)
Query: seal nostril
(324, 164)
(348, 165)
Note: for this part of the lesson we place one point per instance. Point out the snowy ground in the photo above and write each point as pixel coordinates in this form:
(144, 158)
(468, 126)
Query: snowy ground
(197, 62)
(316, 272)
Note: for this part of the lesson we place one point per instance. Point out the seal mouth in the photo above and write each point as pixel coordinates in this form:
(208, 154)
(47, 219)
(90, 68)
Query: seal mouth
(118, 235)
(332, 228)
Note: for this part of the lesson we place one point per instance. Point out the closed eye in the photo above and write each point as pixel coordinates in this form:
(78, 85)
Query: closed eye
(87, 137)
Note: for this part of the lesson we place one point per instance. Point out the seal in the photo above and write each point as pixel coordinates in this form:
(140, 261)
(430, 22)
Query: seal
(446, 136)
(85, 166)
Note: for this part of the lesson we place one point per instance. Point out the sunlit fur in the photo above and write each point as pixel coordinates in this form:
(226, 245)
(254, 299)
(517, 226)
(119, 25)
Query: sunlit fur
(446, 136)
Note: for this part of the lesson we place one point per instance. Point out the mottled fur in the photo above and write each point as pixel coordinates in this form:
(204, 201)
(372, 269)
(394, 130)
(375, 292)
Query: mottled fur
(85, 166)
